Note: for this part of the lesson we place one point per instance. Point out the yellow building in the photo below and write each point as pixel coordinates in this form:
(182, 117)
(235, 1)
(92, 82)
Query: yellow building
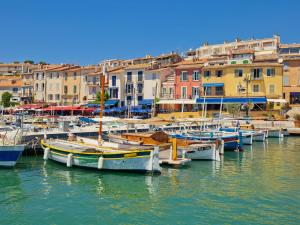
(257, 81)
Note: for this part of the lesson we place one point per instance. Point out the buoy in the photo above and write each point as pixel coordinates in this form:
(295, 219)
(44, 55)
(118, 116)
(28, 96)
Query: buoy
(70, 160)
(100, 162)
(46, 153)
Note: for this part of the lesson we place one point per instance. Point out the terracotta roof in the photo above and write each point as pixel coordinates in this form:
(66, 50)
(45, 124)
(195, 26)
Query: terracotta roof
(267, 57)
(243, 51)
(10, 81)
(138, 66)
(190, 66)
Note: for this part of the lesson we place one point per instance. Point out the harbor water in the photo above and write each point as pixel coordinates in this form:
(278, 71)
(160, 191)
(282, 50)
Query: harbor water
(258, 186)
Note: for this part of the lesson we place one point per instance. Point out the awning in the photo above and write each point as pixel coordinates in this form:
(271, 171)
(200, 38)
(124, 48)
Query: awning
(177, 101)
(213, 85)
(62, 108)
(146, 102)
(276, 100)
(111, 102)
(255, 100)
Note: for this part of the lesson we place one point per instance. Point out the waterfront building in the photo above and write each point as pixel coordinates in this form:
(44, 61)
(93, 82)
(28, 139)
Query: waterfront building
(27, 88)
(16, 68)
(90, 83)
(290, 56)
(260, 46)
(11, 84)
(55, 90)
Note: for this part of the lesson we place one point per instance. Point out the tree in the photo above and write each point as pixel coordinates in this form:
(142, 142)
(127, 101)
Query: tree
(43, 63)
(233, 108)
(29, 61)
(5, 99)
(98, 97)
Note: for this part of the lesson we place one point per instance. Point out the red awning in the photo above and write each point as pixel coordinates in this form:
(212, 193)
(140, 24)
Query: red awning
(31, 106)
(61, 108)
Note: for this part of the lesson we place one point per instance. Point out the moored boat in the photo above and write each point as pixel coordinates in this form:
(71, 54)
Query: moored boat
(76, 153)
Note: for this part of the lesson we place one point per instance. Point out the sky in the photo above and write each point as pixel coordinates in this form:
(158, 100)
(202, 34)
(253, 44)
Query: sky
(89, 31)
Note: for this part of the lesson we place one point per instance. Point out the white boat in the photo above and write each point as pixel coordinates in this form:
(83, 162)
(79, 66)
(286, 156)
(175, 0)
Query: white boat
(275, 133)
(247, 138)
(10, 148)
(258, 135)
(200, 152)
(83, 152)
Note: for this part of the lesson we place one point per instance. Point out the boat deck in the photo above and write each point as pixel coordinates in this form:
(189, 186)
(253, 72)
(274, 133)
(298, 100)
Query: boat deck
(82, 147)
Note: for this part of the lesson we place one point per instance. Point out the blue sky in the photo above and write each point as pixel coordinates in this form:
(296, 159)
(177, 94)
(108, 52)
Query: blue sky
(87, 31)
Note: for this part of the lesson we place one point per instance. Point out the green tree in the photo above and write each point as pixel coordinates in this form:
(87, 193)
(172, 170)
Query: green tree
(98, 97)
(233, 108)
(29, 61)
(43, 63)
(5, 99)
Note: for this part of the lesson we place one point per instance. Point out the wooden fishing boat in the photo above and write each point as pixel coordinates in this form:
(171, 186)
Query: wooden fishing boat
(83, 154)
(191, 149)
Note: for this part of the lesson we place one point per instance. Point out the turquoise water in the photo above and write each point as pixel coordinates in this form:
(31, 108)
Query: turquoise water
(259, 186)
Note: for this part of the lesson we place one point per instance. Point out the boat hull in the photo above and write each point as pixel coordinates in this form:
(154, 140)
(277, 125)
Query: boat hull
(195, 152)
(9, 155)
(139, 161)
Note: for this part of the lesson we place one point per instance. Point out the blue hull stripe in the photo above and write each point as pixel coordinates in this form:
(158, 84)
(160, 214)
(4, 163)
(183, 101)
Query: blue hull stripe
(10, 155)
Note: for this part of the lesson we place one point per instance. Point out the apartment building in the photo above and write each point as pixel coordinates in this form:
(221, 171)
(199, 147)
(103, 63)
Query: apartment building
(11, 84)
(290, 56)
(16, 68)
(260, 46)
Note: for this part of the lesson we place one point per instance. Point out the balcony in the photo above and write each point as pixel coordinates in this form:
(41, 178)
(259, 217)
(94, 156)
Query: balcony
(260, 77)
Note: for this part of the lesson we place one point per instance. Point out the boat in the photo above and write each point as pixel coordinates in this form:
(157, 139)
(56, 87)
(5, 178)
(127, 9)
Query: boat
(81, 153)
(231, 140)
(10, 148)
(191, 149)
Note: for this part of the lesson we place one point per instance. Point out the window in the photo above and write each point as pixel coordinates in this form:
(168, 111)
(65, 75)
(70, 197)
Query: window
(271, 88)
(140, 88)
(66, 76)
(94, 80)
(164, 90)
(140, 98)
(113, 81)
(15, 90)
(255, 88)
(195, 92)
(129, 76)
(36, 87)
(238, 72)
(171, 92)
(183, 92)
(66, 89)
(206, 73)
(50, 75)
(183, 76)
(219, 91)
(74, 89)
(129, 88)
(43, 76)
(57, 97)
(57, 75)
(50, 97)
(114, 93)
(286, 81)
(140, 75)
(196, 75)
(207, 90)
(74, 75)
(256, 73)
(219, 73)
(270, 72)
(37, 76)
(43, 87)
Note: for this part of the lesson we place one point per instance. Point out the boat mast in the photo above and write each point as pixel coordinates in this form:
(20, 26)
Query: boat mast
(102, 81)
